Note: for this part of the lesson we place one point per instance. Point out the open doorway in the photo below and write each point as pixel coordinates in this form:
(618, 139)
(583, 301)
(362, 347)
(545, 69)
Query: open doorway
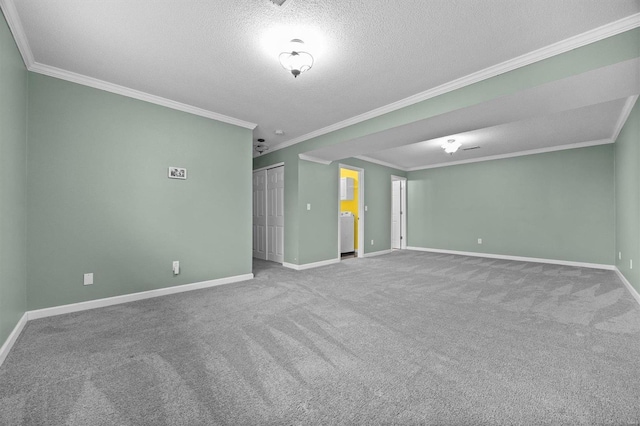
(398, 212)
(350, 212)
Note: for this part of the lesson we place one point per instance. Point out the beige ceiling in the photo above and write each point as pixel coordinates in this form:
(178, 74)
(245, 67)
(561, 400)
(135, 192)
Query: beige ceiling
(219, 58)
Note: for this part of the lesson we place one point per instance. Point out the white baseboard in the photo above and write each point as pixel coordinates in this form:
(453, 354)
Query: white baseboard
(378, 253)
(518, 258)
(8, 344)
(627, 284)
(310, 265)
(109, 301)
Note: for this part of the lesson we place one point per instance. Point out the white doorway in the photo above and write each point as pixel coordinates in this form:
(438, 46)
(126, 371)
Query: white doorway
(351, 201)
(398, 212)
(268, 213)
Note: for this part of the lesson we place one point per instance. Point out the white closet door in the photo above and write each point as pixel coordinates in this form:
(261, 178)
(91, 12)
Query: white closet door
(260, 214)
(275, 214)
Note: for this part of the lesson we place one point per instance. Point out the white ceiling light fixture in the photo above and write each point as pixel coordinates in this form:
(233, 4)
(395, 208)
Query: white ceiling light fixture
(278, 2)
(296, 61)
(451, 146)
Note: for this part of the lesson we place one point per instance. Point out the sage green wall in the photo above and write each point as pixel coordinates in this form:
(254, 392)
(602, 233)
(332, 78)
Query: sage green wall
(298, 239)
(627, 157)
(319, 186)
(13, 173)
(99, 200)
(557, 205)
(318, 236)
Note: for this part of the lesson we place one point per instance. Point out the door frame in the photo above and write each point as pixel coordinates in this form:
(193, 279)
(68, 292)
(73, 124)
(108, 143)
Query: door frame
(403, 211)
(361, 215)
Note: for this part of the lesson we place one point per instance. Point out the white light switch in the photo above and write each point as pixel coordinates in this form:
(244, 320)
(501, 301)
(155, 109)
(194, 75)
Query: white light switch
(176, 267)
(308, 206)
(479, 240)
(630, 263)
(88, 279)
(619, 255)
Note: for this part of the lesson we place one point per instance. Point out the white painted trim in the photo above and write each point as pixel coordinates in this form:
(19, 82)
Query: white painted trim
(626, 111)
(516, 154)
(380, 162)
(135, 94)
(378, 253)
(8, 344)
(15, 24)
(517, 258)
(11, 15)
(627, 284)
(310, 265)
(272, 166)
(558, 48)
(125, 298)
(306, 157)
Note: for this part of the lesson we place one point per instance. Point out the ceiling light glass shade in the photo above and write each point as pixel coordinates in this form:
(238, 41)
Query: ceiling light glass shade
(296, 61)
(451, 146)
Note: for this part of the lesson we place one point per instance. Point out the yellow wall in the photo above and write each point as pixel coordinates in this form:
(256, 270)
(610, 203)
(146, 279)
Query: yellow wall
(352, 205)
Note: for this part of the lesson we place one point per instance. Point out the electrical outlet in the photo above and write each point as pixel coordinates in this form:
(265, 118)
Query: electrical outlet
(371, 242)
(479, 240)
(88, 279)
(308, 206)
(619, 255)
(366, 208)
(176, 267)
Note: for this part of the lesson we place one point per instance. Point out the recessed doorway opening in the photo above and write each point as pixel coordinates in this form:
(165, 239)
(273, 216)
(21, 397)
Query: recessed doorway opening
(350, 212)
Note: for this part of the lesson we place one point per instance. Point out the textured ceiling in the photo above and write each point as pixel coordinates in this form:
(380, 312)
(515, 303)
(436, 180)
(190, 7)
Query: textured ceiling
(221, 56)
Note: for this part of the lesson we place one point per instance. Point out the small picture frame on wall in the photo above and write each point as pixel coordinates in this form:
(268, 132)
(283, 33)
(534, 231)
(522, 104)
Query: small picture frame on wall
(177, 173)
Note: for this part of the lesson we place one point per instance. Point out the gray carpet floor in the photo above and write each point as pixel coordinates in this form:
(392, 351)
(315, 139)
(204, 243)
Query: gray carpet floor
(405, 338)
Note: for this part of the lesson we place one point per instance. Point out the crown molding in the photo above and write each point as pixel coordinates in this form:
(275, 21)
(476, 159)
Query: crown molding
(380, 162)
(135, 94)
(591, 36)
(13, 19)
(624, 115)
(314, 159)
(15, 25)
(516, 154)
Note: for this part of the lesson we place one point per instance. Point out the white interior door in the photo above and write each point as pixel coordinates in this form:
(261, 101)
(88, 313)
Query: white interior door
(275, 214)
(396, 214)
(260, 214)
